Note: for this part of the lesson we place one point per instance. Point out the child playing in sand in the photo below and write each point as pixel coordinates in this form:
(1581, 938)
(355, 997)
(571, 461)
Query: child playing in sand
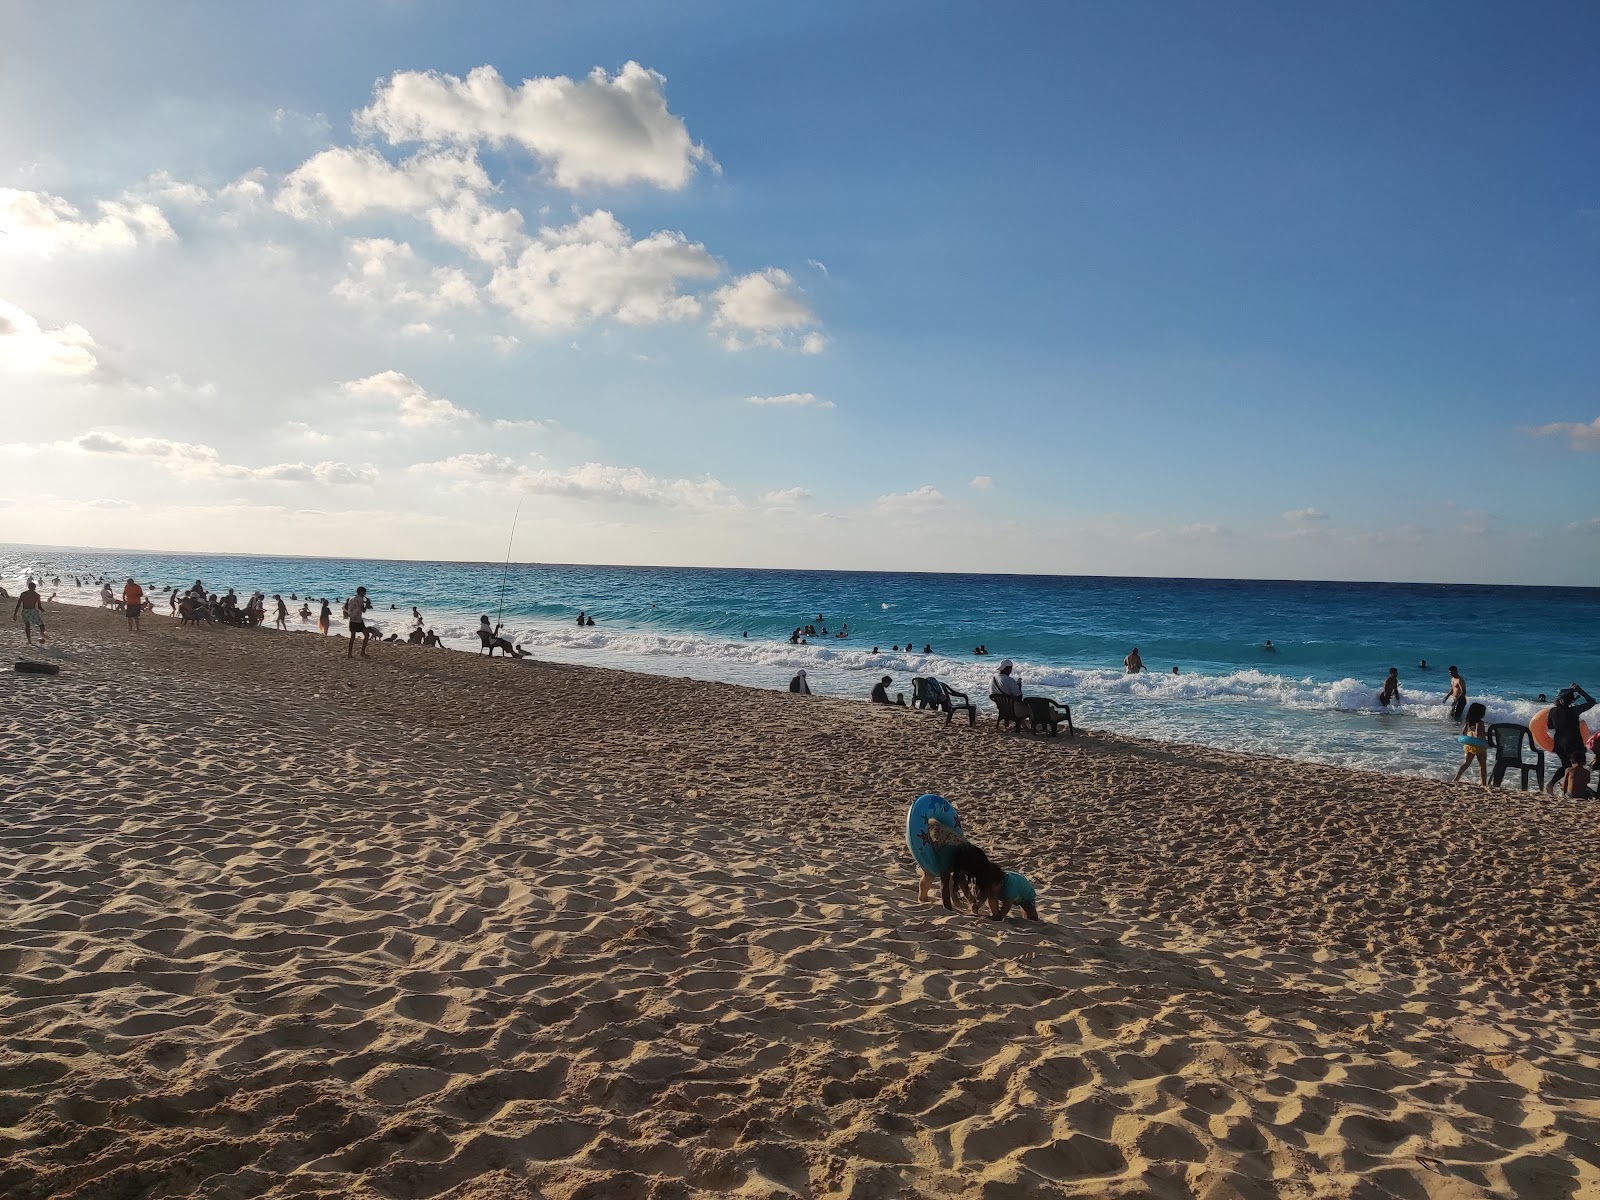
(1475, 742)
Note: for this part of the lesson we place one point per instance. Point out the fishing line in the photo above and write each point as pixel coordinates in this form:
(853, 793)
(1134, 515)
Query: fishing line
(500, 607)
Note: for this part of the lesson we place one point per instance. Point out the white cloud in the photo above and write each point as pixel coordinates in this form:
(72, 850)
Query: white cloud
(1592, 525)
(591, 481)
(489, 234)
(380, 271)
(761, 309)
(196, 461)
(983, 482)
(39, 223)
(787, 498)
(29, 348)
(1582, 437)
(603, 130)
(418, 408)
(918, 500)
(789, 400)
(1204, 530)
(528, 426)
(811, 262)
(345, 182)
(596, 481)
(306, 432)
(593, 269)
(471, 466)
(1305, 514)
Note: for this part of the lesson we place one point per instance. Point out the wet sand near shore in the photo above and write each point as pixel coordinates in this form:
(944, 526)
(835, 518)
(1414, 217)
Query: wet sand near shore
(425, 925)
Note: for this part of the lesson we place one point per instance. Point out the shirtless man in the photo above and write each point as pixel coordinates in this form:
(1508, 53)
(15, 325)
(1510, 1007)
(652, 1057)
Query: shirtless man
(1456, 697)
(1391, 688)
(1133, 664)
(32, 609)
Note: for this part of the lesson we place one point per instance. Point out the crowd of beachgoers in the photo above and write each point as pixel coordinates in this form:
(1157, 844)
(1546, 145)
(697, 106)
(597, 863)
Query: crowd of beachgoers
(1558, 729)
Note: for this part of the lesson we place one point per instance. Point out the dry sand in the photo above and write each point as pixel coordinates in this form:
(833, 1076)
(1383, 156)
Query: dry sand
(279, 923)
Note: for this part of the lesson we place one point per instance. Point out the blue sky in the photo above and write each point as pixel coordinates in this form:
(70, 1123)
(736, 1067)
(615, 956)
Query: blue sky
(1245, 289)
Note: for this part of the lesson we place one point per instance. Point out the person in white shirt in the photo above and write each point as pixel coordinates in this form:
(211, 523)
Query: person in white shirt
(1009, 684)
(494, 640)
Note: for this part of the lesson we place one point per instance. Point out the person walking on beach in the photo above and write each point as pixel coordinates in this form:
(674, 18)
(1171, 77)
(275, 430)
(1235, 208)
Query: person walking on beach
(1566, 732)
(283, 612)
(132, 604)
(1391, 688)
(1475, 742)
(1456, 697)
(325, 617)
(32, 610)
(358, 623)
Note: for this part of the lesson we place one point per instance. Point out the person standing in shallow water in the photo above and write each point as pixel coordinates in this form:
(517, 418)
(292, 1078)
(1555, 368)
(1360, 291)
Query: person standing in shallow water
(1456, 697)
(1391, 688)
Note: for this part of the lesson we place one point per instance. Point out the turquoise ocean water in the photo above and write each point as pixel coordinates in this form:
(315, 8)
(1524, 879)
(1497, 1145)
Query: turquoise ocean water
(1313, 698)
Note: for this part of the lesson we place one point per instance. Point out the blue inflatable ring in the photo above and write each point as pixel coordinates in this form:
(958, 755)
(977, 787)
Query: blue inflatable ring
(917, 840)
(1467, 740)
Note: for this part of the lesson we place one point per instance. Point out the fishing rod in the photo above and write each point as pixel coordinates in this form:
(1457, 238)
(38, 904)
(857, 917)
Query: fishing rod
(500, 607)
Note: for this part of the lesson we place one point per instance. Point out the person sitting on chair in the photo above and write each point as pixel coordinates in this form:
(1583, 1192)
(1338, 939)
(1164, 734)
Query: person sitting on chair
(1008, 685)
(880, 692)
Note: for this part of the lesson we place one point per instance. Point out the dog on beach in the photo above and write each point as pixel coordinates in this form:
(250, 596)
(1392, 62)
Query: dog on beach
(944, 839)
(969, 873)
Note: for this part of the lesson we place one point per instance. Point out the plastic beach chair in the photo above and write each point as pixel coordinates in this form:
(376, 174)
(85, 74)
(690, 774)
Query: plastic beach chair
(1047, 714)
(1507, 740)
(1009, 711)
(936, 695)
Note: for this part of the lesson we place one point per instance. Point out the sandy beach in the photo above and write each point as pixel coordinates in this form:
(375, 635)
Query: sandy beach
(278, 923)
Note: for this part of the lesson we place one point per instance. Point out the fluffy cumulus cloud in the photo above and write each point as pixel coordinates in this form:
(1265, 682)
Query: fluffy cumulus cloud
(417, 407)
(789, 400)
(983, 482)
(42, 224)
(381, 272)
(593, 268)
(346, 182)
(29, 348)
(604, 130)
(919, 500)
(195, 461)
(1303, 515)
(591, 481)
(762, 309)
(1579, 436)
